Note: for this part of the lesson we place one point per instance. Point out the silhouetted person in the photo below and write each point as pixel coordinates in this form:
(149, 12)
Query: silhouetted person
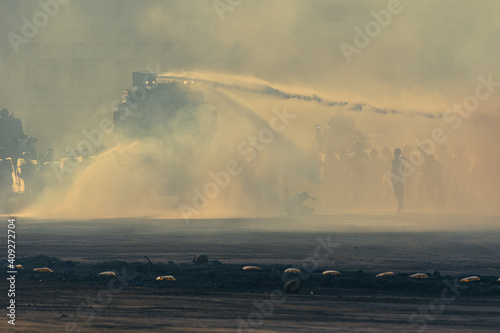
(16, 128)
(6, 180)
(397, 170)
(27, 170)
(295, 206)
(50, 169)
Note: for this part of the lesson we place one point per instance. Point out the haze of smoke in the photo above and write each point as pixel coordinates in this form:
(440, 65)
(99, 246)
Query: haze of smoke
(122, 182)
(135, 179)
(411, 65)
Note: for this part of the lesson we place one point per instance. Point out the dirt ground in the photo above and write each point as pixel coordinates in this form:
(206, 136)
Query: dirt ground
(219, 296)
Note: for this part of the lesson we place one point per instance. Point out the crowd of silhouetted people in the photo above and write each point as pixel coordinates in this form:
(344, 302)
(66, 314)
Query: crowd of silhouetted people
(356, 174)
(17, 166)
(351, 173)
(25, 175)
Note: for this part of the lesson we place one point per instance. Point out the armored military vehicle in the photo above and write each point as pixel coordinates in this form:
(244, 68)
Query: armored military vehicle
(164, 109)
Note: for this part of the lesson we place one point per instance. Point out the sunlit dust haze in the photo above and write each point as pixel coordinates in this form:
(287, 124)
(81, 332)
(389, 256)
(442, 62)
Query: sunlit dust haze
(285, 109)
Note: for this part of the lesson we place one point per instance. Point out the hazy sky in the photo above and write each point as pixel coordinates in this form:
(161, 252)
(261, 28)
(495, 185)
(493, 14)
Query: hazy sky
(431, 51)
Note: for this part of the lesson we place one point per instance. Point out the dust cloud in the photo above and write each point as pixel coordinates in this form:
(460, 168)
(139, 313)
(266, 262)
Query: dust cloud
(265, 60)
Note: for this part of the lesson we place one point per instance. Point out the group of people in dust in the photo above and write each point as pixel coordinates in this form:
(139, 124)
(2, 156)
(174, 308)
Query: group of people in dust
(17, 166)
(355, 175)
(23, 174)
(352, 174)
